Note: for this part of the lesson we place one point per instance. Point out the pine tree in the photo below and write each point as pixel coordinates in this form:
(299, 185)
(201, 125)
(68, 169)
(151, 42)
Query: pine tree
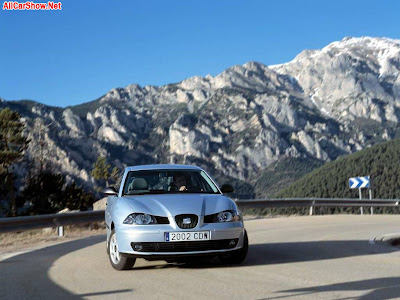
(49, 193)
(115, 174)
(101, 170)
(75, 197)
(44, 191)
(12, 145)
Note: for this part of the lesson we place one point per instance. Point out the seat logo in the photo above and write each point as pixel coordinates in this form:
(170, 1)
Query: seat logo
(186, 221)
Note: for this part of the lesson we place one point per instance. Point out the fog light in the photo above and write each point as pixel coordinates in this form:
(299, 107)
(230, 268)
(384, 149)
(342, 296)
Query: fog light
(232, 243)
(137, 247)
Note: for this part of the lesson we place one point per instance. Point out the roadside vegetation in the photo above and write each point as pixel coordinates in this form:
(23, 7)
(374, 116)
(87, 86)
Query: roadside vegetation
(281, 174)
(101, 172)
(12, 145)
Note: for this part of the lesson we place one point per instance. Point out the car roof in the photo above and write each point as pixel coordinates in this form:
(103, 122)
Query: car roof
(163, 167)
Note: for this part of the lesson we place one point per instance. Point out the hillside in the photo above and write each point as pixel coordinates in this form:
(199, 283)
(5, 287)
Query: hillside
(381, 162)
(281, 174)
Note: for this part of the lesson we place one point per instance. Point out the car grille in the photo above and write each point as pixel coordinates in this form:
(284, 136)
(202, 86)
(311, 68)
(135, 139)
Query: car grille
(180, 221)
(186, 246)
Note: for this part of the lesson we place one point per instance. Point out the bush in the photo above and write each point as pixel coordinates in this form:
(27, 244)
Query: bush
(47, 192)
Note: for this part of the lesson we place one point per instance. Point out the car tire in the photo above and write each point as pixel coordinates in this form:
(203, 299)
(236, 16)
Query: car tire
(237, 256)
(117, 259)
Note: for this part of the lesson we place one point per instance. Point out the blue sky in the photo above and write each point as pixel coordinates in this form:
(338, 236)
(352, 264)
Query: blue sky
(77, 54)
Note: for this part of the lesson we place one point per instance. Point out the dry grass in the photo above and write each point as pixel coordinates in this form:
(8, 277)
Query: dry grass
(19, 241)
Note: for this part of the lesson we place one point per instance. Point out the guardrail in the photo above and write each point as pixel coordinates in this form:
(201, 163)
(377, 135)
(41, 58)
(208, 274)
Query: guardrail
(60, 220)
(52, 220)
(317, 202)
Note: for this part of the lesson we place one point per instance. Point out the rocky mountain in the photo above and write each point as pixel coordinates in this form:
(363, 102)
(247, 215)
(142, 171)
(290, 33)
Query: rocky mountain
(322, 104)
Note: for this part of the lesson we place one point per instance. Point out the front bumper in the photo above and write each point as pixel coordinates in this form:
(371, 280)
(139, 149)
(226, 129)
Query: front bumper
(127, 235)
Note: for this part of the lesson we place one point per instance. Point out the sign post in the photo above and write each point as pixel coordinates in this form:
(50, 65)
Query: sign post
(360, 183)
(370, 198)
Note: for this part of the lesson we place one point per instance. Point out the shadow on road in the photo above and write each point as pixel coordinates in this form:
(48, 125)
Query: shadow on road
(379, 288)
(278, 253)
(25, 276)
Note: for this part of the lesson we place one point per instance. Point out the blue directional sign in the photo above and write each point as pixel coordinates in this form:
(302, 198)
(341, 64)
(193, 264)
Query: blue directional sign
(359, 182)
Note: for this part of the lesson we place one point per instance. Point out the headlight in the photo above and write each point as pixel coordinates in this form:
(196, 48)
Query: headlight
(140, 219)
(228, 216)
(225, 216)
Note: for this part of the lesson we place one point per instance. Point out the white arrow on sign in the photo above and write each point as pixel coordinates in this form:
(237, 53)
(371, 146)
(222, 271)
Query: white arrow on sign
(359, 182)
(365, 181)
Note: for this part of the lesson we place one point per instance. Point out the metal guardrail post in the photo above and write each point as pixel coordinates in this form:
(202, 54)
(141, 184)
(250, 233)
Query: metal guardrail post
(60, 231)
(370, 198)
(361, 208)
(312, 208)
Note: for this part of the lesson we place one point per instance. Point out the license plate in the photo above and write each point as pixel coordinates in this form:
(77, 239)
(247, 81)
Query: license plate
(187, 236)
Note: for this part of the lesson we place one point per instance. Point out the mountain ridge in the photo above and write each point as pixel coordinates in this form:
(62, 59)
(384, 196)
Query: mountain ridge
(321, 105)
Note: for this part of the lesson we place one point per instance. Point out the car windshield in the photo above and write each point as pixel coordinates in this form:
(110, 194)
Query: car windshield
(168, 181)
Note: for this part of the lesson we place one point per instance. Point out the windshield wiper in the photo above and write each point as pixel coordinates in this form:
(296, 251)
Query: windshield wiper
(199, 192)
(135, 194)
(158, 192)
(149, 192)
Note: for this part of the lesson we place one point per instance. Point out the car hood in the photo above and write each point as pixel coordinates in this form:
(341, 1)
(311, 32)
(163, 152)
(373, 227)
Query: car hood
(176, 204)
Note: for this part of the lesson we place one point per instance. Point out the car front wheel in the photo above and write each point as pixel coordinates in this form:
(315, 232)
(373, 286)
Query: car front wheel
(118, 260)
(236, 256)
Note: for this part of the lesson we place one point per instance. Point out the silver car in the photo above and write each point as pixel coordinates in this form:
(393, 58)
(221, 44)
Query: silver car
(172, 213)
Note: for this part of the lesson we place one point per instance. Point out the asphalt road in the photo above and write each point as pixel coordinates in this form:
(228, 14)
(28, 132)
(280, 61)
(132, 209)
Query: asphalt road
(319, 257)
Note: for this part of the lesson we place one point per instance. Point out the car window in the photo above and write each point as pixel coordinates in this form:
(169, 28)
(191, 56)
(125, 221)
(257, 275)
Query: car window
(168, 181)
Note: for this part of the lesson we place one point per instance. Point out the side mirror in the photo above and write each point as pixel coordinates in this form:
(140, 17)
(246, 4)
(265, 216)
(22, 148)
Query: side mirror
(227, 188)
(110, 191)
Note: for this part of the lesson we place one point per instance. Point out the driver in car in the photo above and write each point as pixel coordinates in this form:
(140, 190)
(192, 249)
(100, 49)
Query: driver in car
(180, 183)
